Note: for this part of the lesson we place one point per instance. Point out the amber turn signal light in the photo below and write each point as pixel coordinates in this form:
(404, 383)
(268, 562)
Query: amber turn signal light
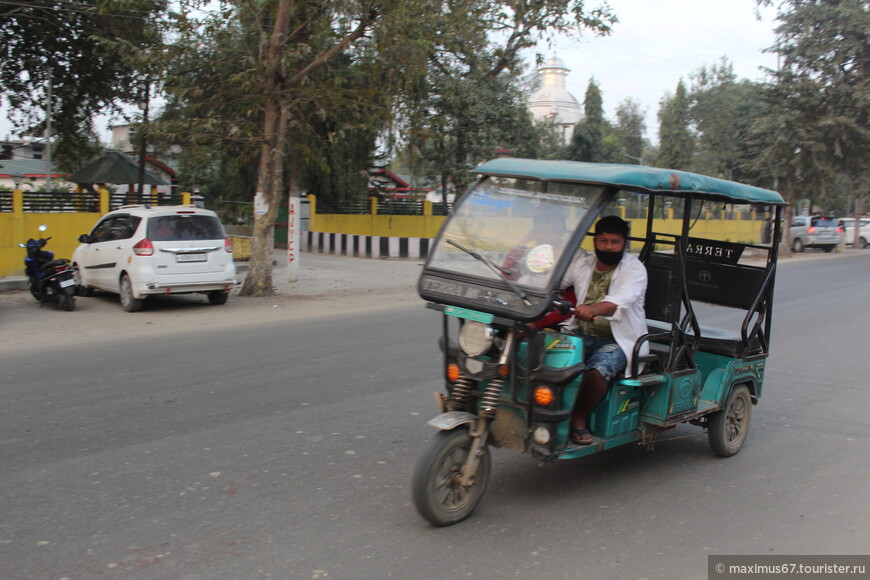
(544, 396)
(453, 372)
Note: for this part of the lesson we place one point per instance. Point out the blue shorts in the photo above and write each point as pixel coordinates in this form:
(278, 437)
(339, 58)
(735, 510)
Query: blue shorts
(605, 356)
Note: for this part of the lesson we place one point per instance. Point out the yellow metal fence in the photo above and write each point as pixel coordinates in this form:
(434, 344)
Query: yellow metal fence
(64, 227)
(743, 227)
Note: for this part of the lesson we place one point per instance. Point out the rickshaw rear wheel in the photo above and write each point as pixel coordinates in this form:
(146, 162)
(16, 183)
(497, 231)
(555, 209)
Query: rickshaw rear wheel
(438, 496)
(727, 429)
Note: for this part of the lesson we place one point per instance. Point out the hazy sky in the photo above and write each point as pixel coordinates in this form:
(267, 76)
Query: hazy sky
(657, 42)
(654, 44)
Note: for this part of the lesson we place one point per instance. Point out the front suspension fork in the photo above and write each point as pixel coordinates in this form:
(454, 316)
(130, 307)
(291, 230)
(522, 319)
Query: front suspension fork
(479, 430)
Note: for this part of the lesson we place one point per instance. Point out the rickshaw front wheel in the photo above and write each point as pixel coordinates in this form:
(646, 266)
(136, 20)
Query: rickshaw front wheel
(438, 496)
(727, 429)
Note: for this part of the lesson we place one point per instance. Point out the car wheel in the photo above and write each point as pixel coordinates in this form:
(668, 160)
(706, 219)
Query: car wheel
(128, 302)
(81, 289)
(797, 245)
(862, 243)
(727, 429)
(218, 297)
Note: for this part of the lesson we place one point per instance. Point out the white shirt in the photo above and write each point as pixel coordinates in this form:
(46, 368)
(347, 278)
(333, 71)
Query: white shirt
(627, 290)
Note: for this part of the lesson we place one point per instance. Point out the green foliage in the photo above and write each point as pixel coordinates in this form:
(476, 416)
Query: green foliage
(82, 51)
(586, 143)
(630, 129)
(470, 118)
(676, 142)
(817, 126)
(723, 112)
(471, 108)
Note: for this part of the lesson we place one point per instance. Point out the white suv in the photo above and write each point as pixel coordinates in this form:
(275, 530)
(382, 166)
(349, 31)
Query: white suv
(863, 231)
(140, 250)
(815, 232)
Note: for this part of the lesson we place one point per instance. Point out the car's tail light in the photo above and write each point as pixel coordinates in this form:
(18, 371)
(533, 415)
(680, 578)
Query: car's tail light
(144, 248)
(228, 246)
(839, 230)
(811, 230)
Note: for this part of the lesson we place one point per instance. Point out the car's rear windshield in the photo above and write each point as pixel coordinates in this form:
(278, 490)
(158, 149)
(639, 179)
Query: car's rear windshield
(172, 228)
(824, 222)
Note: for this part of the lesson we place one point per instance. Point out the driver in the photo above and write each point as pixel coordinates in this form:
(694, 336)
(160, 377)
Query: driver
(609, 286)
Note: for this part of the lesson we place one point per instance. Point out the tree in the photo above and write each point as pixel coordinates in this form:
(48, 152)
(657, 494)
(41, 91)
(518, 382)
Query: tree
(471, 117)
(723, 110)
(280, 92)
(675, 138)
(818, 123)
(259, 88)
(471, 105)
(587, 141)
(630, 128)
(81, 52)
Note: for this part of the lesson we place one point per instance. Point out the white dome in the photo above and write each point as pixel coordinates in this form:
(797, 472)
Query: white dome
(552, 101)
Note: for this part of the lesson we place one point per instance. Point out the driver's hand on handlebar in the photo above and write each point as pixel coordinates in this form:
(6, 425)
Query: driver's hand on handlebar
(530, 328)
(585, 312)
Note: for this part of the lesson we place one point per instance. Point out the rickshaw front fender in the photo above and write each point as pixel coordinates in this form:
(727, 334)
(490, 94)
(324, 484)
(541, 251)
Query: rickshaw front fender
(452, 419)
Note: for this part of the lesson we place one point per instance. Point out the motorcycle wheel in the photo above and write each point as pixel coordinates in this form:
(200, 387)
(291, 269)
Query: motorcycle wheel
(128, 302)
(727, 429)
(32, 285)
(438, 495)
(68, 302)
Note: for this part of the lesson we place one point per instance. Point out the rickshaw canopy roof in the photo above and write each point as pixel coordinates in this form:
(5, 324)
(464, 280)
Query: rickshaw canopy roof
(637, 178)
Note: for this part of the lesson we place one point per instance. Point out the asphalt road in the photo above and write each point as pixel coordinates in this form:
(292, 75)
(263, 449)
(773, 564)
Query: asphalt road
(284, 450)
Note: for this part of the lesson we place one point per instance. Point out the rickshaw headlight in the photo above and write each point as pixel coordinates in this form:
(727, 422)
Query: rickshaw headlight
(541, 435)
(475, 338)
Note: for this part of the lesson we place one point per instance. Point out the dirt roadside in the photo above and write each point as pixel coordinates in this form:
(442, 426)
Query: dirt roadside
(327, 286)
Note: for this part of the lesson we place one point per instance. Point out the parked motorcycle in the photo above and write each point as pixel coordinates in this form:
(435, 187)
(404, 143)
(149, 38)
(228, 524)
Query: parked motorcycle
(49, 280)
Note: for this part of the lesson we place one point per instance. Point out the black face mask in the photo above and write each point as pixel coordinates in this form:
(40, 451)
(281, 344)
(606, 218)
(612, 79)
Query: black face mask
(609, 258)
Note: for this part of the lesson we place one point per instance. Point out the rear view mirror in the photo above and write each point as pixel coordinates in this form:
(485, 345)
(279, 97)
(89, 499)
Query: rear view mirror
(84, 239)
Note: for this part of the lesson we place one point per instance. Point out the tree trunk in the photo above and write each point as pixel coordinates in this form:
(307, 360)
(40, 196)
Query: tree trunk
(270, 175)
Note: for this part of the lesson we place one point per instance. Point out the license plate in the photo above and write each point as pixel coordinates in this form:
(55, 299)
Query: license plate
(469, 314)
(65, 283)
(191, 258)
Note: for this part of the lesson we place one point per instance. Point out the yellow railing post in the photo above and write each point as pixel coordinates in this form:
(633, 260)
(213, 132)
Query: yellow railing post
(185, 198)
(373, 212)
(104, 199)
(17, 216)
(312, 212)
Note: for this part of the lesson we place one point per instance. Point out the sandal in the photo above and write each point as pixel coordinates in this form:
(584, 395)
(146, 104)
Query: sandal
(581, 436)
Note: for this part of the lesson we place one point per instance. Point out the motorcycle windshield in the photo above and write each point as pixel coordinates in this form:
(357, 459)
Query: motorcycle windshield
(512, 228)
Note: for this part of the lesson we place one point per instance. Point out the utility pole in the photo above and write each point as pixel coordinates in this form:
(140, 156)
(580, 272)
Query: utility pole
(48, 113)
(143, 143)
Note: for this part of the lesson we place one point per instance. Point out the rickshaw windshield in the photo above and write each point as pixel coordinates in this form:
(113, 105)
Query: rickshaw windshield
(514, 229)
